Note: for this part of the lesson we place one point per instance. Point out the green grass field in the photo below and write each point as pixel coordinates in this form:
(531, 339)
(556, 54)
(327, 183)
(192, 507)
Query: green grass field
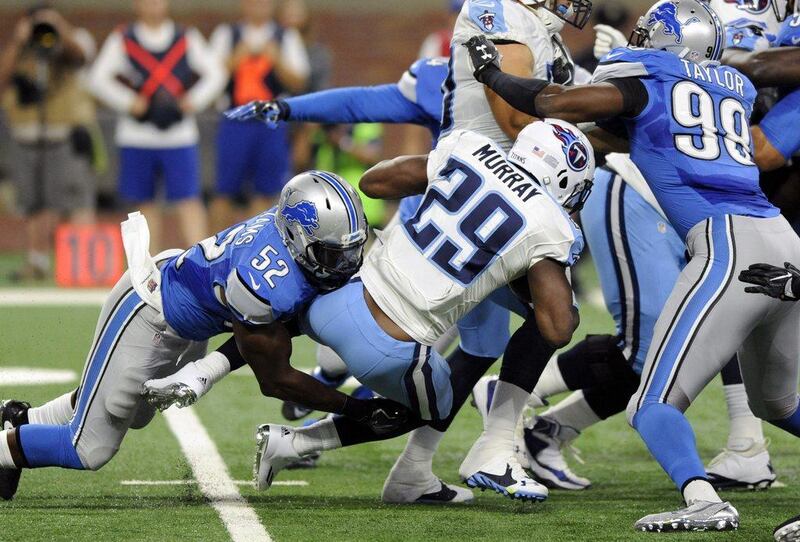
(342, 498)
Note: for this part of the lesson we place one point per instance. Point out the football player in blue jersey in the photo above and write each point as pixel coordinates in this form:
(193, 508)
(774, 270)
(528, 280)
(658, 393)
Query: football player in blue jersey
(688, 122)
(251, 279)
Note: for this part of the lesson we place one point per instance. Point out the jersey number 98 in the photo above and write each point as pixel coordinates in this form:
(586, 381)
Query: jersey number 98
(693, 107)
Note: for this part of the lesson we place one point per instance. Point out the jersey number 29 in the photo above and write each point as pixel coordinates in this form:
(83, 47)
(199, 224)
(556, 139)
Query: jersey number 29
(487, 223)
(693, 107)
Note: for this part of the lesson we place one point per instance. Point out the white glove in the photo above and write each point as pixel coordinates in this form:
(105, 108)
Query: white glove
(607, 38)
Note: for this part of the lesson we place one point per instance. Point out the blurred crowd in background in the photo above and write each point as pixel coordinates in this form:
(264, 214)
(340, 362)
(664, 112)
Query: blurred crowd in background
(98, 125)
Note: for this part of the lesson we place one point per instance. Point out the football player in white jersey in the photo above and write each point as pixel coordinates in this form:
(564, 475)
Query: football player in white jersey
(486, 220)
(527, 35)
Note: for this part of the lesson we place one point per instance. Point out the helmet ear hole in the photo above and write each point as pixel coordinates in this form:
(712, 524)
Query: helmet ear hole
(290, 234)
(562, 184)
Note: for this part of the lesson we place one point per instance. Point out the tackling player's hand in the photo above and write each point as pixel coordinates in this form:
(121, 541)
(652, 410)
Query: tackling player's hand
(482, 55)
(270, 112)
(382, 415)
(606, 39)
(779, 282)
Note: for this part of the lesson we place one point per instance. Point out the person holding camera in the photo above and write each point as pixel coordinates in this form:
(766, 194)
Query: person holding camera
(48, 112)
(157, 74)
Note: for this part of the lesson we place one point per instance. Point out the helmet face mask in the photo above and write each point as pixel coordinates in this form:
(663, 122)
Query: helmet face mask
(321, 221)
(573, 12)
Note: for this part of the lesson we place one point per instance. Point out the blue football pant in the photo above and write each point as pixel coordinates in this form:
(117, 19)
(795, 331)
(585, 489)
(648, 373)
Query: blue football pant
(707, 319)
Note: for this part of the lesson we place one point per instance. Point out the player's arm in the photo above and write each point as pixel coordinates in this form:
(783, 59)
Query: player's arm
(383, 103)
(396, 178)
(770, 68)
(776, 138)
(267, 350)
(540, 98)
(517, 60)
(551, 294)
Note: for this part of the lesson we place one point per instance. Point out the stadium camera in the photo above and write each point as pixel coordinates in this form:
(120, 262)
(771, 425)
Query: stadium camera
(45, 39)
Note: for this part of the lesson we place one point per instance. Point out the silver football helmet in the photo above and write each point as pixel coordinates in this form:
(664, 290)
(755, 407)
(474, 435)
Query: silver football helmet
(688, 28)
(321, 220)
(559, 157)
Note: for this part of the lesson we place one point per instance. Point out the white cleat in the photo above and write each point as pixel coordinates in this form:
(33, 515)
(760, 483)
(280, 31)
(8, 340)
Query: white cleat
(433, 491)
(788, 531)
(274, 452)
(699, 516)
(182, 388)
(507, 477)
(746, 469)
(542, 449)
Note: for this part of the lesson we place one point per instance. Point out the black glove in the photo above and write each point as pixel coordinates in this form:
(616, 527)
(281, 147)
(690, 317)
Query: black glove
(482, 54)
(779, 282)
(381, 415)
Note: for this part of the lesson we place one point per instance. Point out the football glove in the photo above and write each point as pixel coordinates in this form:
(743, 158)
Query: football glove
(482, 55)
(779, 282)
(270, 113)
(383, 416)
(607, 38)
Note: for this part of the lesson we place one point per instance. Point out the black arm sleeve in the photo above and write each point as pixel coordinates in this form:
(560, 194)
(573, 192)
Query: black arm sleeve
(634, 95)
(519, 92)
(231, 351)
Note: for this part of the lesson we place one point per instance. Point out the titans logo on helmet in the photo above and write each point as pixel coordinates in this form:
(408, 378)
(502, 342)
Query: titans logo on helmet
(304, 213)
(576, 152)
(667, 15)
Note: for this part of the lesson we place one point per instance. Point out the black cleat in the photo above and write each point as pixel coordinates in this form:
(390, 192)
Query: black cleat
(12, 414)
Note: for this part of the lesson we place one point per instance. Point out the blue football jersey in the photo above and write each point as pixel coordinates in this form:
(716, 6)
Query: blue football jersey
(692, 140)
(248, 264)
(422, 84)
(789, 34)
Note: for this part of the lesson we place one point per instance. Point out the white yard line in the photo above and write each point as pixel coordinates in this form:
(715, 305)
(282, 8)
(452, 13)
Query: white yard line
(30, 376)
(300, 483)
(212, 475)
(52, 297)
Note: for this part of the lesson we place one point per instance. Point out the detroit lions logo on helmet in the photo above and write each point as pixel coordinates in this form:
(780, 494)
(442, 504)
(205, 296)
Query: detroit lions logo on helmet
(575, 151)
(304, 213)
(487, 19)
(667, 15)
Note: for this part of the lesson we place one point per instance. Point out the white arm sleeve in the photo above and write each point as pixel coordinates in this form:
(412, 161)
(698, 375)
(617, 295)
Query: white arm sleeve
(294, 54)
(111, 62)
(208, 66)
(220, 42)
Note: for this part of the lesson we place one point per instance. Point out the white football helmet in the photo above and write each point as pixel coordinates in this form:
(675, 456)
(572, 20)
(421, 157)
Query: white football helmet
(559, 157)
(321, 220)
(557, 12)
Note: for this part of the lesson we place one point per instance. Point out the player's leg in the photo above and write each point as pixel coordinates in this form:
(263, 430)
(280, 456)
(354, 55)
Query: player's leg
(745, 461)
(701, 327)
(484, 333)
(769, 361)
(181, 169)
(492, 462)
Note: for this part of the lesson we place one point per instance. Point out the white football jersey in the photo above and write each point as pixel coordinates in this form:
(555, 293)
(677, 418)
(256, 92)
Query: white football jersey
(482, 223)
(465, 105)
(760, 13)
